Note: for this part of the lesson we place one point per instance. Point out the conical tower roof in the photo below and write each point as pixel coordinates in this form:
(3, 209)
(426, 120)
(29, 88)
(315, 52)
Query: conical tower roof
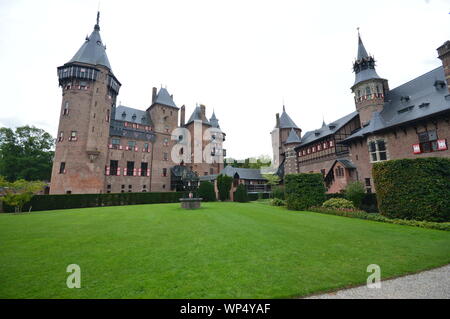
(364, 66)
(286, 121)
(293, 137)
(214, 121)
(93, 51)
(164, 98)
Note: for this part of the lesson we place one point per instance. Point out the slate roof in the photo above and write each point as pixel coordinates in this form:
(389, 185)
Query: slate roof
(286, 121)
(214, 121)
(142, 117)
(163, 97)
(244, 173)
(368, 73)
(197, 116)
(326, 130)
(92, 51)
(425, 95)
(292, 138)
(346, 163)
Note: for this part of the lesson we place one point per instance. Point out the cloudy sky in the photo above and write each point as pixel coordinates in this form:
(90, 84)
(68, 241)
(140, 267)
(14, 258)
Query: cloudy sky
(240, 57)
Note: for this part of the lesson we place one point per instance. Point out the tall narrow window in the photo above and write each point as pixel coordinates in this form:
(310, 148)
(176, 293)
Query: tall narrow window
(114, 165)
(166, 156)
(130, 168)
(107, 116)
(144, 167)
(367, 90)
(131, 145)
(62, 168)
(66, 108)
(73, 136)
(61, 136)
(115, 143)
(164, 172)
(166, 141)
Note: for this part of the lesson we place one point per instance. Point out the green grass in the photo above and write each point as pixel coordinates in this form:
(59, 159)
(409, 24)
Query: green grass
(224, 250)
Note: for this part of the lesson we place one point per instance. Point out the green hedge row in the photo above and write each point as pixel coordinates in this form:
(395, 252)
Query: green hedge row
(303, 191)
(241, 195)
(50, 202)
(369, 202)
(380, 218)
(416, 189)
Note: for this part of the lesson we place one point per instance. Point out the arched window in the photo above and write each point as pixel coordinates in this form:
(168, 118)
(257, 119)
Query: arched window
(367, 90)
(358, 93)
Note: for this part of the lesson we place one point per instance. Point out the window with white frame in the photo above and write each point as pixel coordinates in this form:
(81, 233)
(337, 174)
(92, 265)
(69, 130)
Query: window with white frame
(377, 150)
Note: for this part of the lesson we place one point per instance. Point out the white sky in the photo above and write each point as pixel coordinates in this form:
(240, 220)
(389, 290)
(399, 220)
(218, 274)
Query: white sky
(240, 57)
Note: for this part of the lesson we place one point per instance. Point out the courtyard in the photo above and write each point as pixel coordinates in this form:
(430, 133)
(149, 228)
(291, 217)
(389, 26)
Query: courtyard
(223, 250)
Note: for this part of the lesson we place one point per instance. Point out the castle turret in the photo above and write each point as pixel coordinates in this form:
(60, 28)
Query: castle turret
(369, 88)
(444, 55)
(89, 92)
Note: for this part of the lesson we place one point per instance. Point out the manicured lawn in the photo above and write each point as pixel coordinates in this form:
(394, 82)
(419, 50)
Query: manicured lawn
(224, 250)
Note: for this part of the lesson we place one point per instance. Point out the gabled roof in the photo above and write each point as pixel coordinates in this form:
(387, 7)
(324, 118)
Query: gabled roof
(419, 98)
(243, 173)
(292, 138)
(163, 97)
(92, 51)
(125, 113)
(327, 130)
(286, 121)
(197, 116)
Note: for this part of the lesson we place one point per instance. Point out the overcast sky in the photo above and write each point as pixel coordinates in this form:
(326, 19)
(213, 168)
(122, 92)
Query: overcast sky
(242, 58)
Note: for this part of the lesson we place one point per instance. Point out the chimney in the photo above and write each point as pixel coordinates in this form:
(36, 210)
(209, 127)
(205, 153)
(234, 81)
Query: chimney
(203, 111)
(154, 95)
(182, 115)
(444, 55)
(277, 116)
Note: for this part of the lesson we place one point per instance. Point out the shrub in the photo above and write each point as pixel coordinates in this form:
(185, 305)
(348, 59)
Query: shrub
(416, 189)
(252, 197)
(338, 203)
(355, 193)
(304, 191)
(380, 218)
(50, 202)
(277, 202)
(206, 191)
(224, 186)
(240, 195)
(278, 192)
(369, 203)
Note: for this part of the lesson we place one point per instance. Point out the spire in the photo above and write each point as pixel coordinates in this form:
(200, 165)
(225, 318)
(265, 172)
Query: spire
(213, 120)
(362, 53)
(364, 66)
(286, 121)
(93, 51)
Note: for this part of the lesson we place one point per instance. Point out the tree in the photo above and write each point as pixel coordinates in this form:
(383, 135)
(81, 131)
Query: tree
(272, 179)
(355, 193)
(224, 186)
(251, 162)
(206, 191)
(20, 192)
(26, 153)
(241, 195)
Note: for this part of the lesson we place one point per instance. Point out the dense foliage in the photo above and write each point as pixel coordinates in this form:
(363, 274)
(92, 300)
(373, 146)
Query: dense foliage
(277, 202)
(26, 153)
(224, 186)
(206, 191)
(49, 202)
(19, 193)
(251, 162)
(369, 202)
(304, 191)
(278, 192)
(338, 203)
(241, 195)
(355, 193)
(416, 189)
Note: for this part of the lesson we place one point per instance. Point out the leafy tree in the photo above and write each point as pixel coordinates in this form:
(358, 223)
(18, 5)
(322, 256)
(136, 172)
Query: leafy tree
(241, 195)
(224, 186)
(355, 193)
(272, 179)
(206, 191)
(20, 192)
(251, 162)
(26, 153)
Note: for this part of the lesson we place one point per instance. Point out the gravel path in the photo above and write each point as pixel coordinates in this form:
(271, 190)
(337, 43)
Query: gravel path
(431, 284)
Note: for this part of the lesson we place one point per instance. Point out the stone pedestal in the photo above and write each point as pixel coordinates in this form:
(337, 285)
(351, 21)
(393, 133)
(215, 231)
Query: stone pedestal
(190, 203)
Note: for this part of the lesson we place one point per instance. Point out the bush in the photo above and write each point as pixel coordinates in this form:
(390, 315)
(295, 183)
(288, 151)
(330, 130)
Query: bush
(417, 189)
(304, 191)
(224, 186)
(379, 218)
(50, 202)
(369, 203)
(278, 192)
(240, 195)
(253, 197)
(277, 202)
(338, 203)
(206, 191)
(355, 193)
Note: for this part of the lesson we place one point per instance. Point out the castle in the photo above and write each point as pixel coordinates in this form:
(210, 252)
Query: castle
(102, 147)
(410, 121)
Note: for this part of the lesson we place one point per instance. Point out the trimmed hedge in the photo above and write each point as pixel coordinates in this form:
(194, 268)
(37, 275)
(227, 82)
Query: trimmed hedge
(51, 202)
(338, 203)
(224, 183)
(416, 189)
(379, 218)
(206, 191)
(241, 195)
(303, 191)
(369, 202)
(278, 192)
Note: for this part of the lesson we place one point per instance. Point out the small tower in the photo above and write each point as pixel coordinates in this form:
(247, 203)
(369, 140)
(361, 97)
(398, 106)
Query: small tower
(291, 164)
(89, 92)
(369, 88)
(444, 55)
(214, 121)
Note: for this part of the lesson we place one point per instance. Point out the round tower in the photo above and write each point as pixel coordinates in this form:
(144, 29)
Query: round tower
(89, 91)
(369, 88)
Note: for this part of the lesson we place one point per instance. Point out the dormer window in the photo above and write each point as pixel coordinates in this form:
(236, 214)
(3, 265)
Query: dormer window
(124, 115)
(404, 98)
(332, 126)
(424, 105)
(439, 84)
(316, 133)
(133, 117)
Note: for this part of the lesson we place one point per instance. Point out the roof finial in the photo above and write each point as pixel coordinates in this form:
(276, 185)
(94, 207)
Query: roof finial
(97, 25)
